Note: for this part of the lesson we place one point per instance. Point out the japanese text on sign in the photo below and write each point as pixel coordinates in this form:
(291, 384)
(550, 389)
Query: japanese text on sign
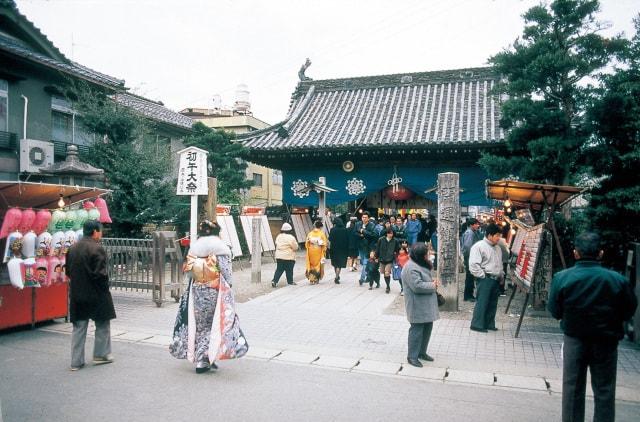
(192, 172)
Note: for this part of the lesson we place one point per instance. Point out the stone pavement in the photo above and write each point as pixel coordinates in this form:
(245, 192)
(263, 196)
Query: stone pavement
(346, 327)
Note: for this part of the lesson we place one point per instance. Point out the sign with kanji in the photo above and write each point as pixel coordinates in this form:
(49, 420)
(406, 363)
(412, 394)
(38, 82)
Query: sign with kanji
(192, 172)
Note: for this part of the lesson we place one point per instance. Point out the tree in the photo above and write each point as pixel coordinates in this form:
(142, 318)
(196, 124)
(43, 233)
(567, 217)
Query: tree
(545, 72)
(612, 155)
(225, 160)
(137, 174)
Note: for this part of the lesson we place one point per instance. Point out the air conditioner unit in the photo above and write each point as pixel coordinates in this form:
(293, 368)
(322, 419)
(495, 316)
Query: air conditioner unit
(35, 155)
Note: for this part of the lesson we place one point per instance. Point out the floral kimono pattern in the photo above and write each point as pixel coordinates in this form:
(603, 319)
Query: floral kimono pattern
(207, 327)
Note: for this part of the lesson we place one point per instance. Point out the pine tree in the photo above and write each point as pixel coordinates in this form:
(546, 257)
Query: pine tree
(543, 70)
(612, 156)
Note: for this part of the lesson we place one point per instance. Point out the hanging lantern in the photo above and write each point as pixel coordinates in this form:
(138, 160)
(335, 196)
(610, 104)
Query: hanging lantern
(399, 193)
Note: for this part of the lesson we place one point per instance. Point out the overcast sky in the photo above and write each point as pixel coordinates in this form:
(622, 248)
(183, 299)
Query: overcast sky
(184, 52)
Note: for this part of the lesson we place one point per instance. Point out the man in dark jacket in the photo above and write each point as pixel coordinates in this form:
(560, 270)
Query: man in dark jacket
(386, 250)
(593, 304)
(90, 297)
(365, 229)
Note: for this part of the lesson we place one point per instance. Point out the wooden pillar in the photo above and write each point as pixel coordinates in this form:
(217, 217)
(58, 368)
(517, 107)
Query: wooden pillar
(256, 251)
(448, 228)
(212, 199)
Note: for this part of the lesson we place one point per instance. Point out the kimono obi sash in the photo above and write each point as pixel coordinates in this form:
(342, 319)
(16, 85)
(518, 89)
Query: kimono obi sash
(204, 271)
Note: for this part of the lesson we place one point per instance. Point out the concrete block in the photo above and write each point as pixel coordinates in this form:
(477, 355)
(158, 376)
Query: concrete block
(379, 367)
(131, 336)
(519, 381)
(262, 353)
(295, 357)
(426, 372)
(470, 377)
(336, 362)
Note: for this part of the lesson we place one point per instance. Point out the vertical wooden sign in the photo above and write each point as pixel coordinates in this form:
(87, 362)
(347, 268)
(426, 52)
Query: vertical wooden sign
(256, 251)
(448, 228)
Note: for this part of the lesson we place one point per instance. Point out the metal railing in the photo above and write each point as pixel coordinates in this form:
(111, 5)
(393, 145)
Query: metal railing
(153, 265)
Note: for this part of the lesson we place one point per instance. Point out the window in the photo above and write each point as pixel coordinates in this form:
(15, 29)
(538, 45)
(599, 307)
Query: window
(276, 177)
(4, 105)
(257, 179)
(66, 126)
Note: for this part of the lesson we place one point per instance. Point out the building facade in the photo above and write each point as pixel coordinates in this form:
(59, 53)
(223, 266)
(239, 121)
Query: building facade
(267, 182)
(38, 122)
(380, 141)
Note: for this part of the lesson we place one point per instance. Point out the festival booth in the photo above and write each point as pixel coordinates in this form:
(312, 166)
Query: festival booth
(228, 231)
(40, 222)
(247, 216)
(301, 222)
(531, 243)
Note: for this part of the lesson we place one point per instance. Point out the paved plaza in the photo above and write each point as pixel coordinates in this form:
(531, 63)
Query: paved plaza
(349, 327)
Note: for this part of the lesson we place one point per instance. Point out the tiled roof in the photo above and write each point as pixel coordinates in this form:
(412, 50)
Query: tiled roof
(443, 108)
(154, 110)
(20, 49)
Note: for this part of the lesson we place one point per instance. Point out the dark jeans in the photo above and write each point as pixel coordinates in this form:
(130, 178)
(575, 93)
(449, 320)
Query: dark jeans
(469, 281)
(484, 314)
(419, 335)
(284, 266)
(602, 358)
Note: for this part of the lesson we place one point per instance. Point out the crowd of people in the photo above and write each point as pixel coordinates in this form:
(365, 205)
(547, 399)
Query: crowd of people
(592, 302)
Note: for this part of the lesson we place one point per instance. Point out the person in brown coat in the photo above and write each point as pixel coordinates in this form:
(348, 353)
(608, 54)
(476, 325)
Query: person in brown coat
(90, 297)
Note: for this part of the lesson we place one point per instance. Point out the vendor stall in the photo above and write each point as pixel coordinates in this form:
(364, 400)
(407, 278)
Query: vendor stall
(531, 245)
(40, 221)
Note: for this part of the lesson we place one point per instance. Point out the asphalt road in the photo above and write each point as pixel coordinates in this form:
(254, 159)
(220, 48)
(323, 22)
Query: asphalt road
(146, 384)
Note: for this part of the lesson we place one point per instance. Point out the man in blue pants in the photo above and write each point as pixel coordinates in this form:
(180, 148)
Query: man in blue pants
(592, 304)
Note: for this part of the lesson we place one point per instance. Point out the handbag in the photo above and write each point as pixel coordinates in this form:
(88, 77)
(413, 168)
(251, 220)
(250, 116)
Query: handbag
(396, 271)
(441, 299)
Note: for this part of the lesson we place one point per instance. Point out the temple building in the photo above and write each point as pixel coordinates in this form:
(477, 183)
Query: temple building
(380, 141)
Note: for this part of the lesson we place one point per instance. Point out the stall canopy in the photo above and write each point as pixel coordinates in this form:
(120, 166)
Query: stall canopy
(532, 195)
(44, 195)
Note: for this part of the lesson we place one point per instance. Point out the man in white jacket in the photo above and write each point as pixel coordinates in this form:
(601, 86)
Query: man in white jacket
(485, 264)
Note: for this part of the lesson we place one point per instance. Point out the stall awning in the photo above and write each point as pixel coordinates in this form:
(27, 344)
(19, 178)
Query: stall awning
(533, 195)
(44, 195)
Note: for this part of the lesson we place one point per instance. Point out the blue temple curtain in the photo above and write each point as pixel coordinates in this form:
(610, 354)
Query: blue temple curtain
(364, 181)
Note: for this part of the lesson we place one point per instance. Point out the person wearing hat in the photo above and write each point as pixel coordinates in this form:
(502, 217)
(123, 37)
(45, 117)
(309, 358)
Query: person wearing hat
(286, 247)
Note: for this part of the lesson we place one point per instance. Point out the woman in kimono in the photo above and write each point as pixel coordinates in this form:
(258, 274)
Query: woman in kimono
(206, 327)
(316, 245)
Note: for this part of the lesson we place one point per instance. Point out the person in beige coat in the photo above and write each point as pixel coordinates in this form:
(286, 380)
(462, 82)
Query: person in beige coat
(286, 247)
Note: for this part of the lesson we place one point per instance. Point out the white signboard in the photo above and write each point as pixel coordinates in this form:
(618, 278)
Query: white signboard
(192, 172)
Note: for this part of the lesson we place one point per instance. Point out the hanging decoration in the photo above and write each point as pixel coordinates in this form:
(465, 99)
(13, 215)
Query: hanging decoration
(101, 205)
(81, 216)
(43, 217)
(355, 187)
(299, 188)
(11, 221)
(26, 222)
(399, 193)
(395, 180)
(29, 244)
